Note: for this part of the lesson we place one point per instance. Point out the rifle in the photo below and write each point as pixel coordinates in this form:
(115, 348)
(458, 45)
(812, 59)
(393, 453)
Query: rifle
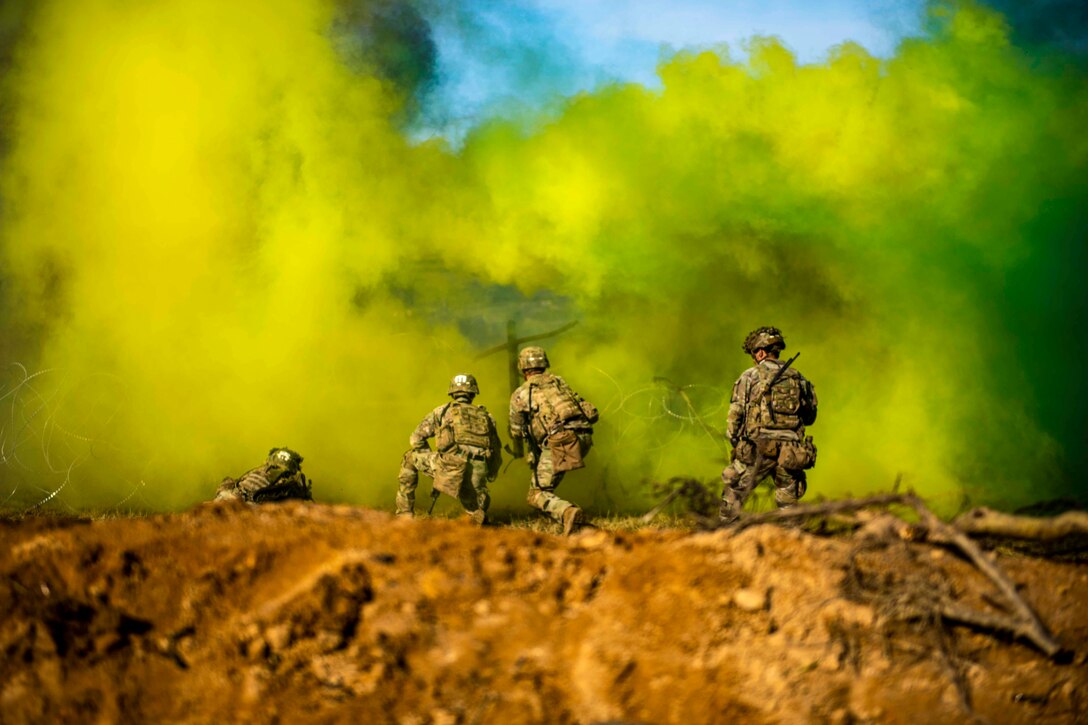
(515, 448)
(434, 500)
(532, 453)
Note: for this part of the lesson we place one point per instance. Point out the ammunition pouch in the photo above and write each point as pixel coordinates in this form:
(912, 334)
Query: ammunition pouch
(589, 410)
(745, 451)
(797, 455)
(449, 472)
(566, 451)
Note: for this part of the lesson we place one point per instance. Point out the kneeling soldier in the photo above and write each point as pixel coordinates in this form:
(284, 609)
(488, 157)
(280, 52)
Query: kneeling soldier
(468, 452)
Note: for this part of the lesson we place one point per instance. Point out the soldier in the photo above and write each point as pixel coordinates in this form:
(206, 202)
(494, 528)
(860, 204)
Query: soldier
(280, 478)
(468, 452)
(557, 424)
(768, 412)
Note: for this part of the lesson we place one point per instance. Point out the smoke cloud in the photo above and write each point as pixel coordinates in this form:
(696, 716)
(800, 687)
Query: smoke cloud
(217, 238)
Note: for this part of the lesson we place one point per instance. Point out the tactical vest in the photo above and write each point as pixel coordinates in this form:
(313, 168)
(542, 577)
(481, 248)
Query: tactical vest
(780, 408)
(269, 483)
(464, 424)
(284, 485)
(557, 407)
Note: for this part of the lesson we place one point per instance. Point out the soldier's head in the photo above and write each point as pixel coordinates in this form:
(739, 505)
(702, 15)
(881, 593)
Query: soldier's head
(285, 458)
(764, 342)
(532, 360)
(463, 388)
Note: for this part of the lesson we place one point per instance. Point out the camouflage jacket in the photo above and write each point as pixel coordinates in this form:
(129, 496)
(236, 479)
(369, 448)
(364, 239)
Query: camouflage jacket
(439, 419)
(266, 483)
(526, 410)
(792, 404)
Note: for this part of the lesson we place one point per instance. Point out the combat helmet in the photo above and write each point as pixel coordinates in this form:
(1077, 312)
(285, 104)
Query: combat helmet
(465, 384)
(285, 458)
(764, 338)
(533, 358)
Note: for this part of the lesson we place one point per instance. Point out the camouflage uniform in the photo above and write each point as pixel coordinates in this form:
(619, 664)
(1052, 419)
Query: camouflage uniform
(768, 432)
(459, 469)
(527, 421)
(278, 479)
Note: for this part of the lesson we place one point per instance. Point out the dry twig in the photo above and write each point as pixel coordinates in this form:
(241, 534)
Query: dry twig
(1026, 623)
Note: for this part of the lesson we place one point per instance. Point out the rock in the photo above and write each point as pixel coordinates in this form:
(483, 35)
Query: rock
(750, 600)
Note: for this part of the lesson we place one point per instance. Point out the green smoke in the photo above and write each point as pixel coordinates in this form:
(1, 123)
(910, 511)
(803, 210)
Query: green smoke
(216, 248)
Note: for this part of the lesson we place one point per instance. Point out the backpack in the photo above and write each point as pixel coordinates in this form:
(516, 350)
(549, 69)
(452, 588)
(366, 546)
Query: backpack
(558, 405)
(780, 408)
(465, 424)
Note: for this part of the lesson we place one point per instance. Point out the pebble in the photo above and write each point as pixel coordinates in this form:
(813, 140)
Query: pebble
(749, 600)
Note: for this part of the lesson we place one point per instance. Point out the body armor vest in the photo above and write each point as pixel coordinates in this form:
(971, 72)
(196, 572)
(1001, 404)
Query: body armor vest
(780, 408)
(464, 424)
(558, 406)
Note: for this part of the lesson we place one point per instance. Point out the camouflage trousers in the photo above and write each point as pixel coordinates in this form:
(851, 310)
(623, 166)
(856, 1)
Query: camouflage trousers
(740, 480)
(545, 479)
(454, 475)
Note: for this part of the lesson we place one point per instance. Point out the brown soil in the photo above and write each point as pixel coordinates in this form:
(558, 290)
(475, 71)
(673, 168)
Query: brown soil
(299, 612)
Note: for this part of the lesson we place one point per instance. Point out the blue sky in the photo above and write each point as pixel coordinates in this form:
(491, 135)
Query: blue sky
(504, 57)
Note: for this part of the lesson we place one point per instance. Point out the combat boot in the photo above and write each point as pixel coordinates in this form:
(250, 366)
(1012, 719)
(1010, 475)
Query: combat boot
(726, 514)
(572, 518)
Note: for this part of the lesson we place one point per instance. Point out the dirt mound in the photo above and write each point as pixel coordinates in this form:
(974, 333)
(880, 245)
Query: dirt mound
(296, 612)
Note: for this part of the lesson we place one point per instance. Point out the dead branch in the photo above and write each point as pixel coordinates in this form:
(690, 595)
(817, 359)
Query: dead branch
(797, 513)
(649, 515)
(954, 612)
(1029, 625)
(987, 522)
(1034, 629)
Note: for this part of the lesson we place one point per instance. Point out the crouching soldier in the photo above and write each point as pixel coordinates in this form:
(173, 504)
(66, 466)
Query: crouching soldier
(770, 407)
(468, 452)
(280, 478)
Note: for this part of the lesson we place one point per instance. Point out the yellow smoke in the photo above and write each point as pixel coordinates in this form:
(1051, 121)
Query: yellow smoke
(226, 242)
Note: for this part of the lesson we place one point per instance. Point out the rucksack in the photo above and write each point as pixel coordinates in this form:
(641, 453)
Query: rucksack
(780, 409)
(467, 425)
(558, 406)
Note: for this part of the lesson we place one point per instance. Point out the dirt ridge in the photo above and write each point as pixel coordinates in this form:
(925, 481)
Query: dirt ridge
(296, 611)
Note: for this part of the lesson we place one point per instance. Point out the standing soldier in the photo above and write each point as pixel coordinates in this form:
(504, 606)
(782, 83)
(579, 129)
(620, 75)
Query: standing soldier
(558, 426)
(280, 478)
(770, 407)
(468, 452)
